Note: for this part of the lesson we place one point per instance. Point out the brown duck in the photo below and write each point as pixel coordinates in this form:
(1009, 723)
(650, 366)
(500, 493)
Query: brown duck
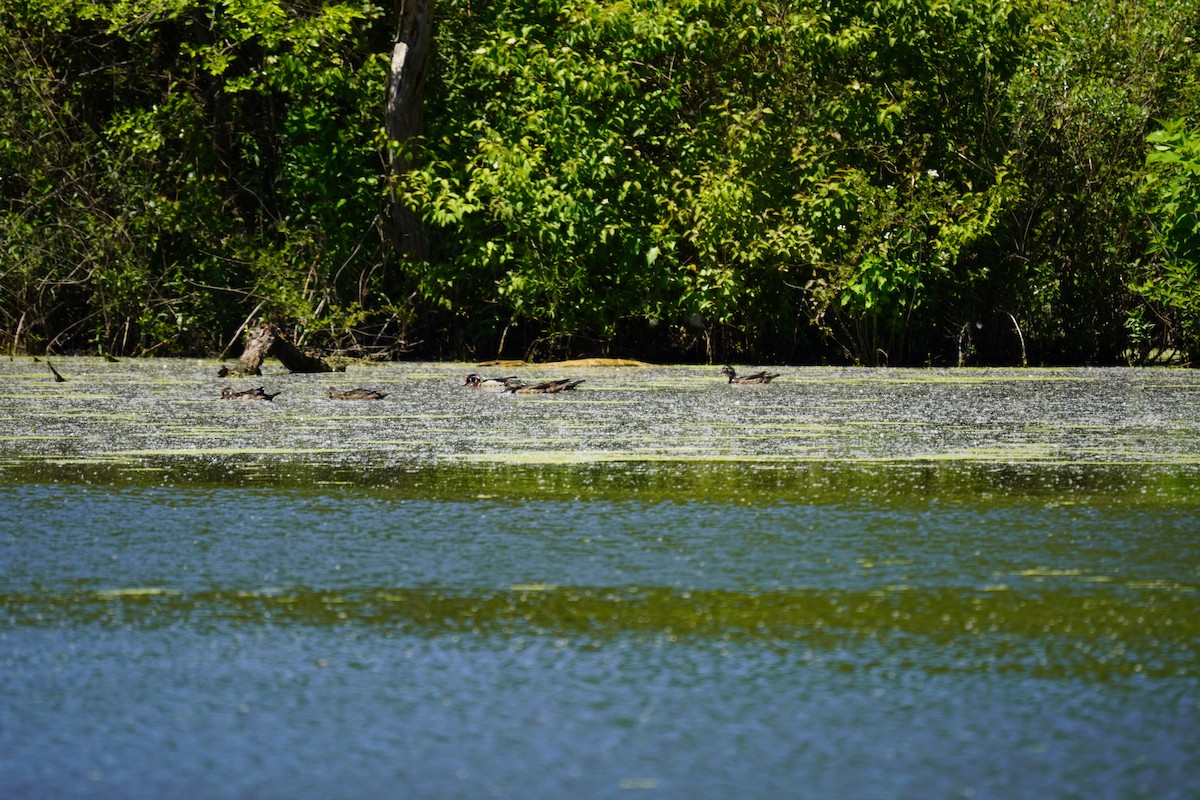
(758, 377)
(248, 394)
(356, 394)
(549, 387)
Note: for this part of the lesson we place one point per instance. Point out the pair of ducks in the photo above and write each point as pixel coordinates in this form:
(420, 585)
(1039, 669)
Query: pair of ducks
(248, 394)
(511, 383)
(758, 377)
(334, 394)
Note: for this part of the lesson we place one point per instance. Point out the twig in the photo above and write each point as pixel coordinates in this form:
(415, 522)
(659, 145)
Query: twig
(1017, 328)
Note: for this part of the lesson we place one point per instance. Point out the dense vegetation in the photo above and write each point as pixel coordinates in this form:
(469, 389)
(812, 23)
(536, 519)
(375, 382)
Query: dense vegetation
(868, 181)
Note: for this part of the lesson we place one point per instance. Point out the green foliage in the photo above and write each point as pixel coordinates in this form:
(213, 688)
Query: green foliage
(912, 92)
(1081, 110)
(546, 172)
(1171, 278)
(185, 164)
(877, 181)
(730, 168)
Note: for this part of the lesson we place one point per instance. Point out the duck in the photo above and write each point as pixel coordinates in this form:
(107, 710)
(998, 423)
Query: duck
(548, 387)
(758, 377)
(356, 394)
(478, 382)
(248, 394)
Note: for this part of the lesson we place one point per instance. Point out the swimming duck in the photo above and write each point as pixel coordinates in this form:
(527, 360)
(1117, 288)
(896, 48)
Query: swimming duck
(478, 382)
(248, 394)
(549, 387)
(356, 394)
(758, 377)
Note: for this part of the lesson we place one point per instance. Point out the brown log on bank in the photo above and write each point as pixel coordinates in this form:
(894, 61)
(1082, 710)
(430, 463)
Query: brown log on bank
(267, 340)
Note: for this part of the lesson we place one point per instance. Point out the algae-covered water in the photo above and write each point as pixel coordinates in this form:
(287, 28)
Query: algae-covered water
(847, 583)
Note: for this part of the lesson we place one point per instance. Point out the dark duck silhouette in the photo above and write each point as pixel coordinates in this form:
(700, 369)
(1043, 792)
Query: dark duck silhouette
(548, 387)
(479, 382)
(248, 394)
(356, 394)
(758, 377)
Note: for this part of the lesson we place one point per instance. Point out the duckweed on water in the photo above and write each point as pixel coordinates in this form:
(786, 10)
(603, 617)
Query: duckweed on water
(1137, 417)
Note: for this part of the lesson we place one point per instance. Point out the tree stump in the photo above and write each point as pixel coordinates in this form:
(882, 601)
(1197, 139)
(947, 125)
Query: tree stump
(267, 340)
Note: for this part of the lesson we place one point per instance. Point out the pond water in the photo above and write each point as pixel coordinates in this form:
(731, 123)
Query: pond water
(848, 583)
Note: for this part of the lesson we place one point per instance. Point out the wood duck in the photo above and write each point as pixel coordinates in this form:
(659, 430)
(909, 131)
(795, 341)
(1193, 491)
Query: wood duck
(356, 394)
(478, 382)
(248, 394)
(549, 387)
(758, 377)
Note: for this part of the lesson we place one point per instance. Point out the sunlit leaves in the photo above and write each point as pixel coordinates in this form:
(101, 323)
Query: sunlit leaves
(1082, 106)
(548, 147)
(778, 178)
(226, 155)
(1171, 197)
(741, 166)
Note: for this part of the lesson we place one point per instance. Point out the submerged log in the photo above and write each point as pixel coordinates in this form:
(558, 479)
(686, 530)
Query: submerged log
(267, 340)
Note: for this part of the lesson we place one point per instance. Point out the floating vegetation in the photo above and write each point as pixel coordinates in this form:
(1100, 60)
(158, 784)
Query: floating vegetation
(137, 591)
(222, 451)
(1089, 634)
(1049, 419)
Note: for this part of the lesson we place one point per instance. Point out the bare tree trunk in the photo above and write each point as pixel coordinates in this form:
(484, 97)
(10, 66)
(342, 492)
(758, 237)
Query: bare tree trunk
(265, 340)
(404, 116)
(259, 342)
